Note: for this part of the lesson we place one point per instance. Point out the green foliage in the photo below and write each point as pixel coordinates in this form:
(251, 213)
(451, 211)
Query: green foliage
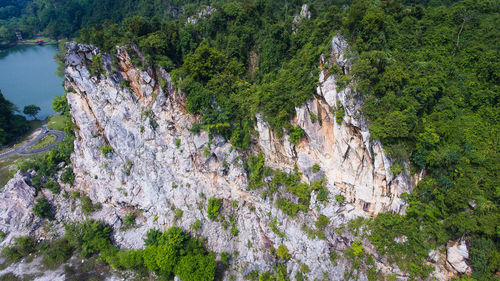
(224, 257)
(322, 222)
(23, 246)
(195, 226)
(255, 168)
(43, 209)
(275, 229)
(87, 206)
(53, 186)
(106, 150)
(31, 110)
(282, 252)
(67, 176)
(129, 220)
(339, 115)
(89, 237)
(315, 168)
(196, 268)
(296, 133)
(214, 205)
(55, 252)
(340, 199)
(178, 214)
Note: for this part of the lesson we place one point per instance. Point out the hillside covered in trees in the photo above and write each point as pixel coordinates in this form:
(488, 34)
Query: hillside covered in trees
(428, 72)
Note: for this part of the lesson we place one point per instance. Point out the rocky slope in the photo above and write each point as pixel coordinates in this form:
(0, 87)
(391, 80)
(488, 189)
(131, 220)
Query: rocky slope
(134, 151)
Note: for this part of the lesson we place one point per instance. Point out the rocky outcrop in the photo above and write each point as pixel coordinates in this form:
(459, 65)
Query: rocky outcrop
(457, 254)
(135, 152)
(16, 202)
(352, 164)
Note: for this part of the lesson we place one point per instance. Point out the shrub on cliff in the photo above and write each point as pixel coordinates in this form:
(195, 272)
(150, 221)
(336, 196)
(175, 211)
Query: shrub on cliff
(43, 209)
(214, 205)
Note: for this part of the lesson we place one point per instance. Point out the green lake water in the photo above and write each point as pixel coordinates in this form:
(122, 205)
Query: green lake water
(27, 76)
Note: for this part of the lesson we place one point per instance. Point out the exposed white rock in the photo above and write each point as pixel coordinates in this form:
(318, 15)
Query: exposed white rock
(16, 202)
(457, 255)
(158, 165)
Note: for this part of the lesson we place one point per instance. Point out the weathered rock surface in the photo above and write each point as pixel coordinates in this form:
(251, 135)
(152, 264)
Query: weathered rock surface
(457, 254)
(353, 164)
(157, 165)
(16, 202)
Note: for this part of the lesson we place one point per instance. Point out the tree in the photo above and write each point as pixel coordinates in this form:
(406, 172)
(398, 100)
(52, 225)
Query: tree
(31, 110)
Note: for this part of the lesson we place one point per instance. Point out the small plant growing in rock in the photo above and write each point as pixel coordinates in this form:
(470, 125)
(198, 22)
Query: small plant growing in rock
(214, 205)
(283, 253)
(178, 214)
(195, 226)
(53, 187)
(224, 257)
(129, 220)
(340, 199)
(315, 168)
(206, 152)
(296, 133)
(177, 143)
(127, 168)
(106, 150)
(313, 116)
(43, 209)
(339, 115)
(322, 222)
(87, 206)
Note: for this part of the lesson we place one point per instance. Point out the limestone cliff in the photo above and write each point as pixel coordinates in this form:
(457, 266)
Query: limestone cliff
(134, 151)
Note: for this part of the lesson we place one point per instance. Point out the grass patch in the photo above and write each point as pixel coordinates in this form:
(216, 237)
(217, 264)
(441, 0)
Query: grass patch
(7, 165)
(44, 142)
(56, 122)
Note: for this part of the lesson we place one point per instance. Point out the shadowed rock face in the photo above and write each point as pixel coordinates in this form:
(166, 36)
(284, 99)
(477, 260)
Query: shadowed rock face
(158, 165)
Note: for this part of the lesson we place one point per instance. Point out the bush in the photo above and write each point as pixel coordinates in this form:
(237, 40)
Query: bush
(196, 268)
(322, 222)
(339, 115)
(296, 133)
(106, 150)
(214, 205)
(315, 168)
(87, 206)
(224, 257)
(23, 246)
(53, 187)
(89, 237)
(55, 252)
(67, 176)
(129, 220)
(282, 252)
(43, 209)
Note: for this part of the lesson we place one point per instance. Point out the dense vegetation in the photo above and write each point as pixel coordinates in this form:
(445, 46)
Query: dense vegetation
(428, 72)
(64, 18)
(12, 125)
(166, 253)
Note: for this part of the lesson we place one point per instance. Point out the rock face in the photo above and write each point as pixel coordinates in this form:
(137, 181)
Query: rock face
(456, 255)
(353, 164)
(134, 151)
(16, 202)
